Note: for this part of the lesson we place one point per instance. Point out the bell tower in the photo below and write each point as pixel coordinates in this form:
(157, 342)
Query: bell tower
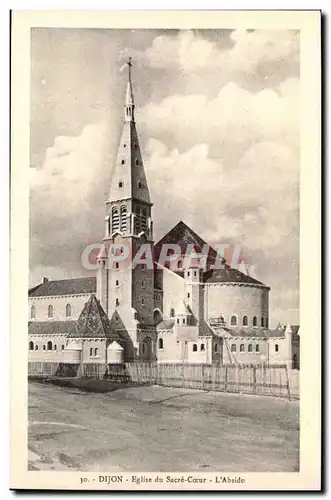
(128, 222)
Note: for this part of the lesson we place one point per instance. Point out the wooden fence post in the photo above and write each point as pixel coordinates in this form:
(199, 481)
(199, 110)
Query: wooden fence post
(254, 379)
(288, 383)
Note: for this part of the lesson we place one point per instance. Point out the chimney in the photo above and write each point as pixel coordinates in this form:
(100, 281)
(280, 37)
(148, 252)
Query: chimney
(45, 280)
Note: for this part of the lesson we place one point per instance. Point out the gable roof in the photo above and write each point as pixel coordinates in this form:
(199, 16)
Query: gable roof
(64, 287)
(93, 322)
(183, 235)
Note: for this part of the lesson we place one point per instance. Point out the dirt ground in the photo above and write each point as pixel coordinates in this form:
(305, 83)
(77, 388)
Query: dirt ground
(160, 429)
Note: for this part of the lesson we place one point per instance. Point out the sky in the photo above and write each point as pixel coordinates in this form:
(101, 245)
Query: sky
(217, 114)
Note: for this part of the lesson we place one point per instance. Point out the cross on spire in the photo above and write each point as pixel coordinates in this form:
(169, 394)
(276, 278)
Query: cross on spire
(129, 102)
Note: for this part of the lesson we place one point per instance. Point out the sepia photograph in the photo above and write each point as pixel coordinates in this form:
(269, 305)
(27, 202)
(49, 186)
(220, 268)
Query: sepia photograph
(163, 307)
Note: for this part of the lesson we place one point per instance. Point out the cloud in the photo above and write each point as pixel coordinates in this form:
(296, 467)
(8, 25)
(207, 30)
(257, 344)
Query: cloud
(189, 51)
(219, 129)
(235, 117)
(65, 198)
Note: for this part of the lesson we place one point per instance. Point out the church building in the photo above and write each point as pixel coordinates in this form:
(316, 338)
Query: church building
(174, 311)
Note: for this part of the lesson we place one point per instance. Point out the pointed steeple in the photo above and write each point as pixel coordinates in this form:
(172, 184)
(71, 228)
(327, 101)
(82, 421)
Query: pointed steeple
(128, 186)
(129, 101)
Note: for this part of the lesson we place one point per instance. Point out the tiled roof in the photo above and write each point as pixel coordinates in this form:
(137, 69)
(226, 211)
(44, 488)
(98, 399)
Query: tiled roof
(183, 235)
(50, 327)
(228, 275)
(64, 287)
(204, 329)
(93, 322)
(250, 331)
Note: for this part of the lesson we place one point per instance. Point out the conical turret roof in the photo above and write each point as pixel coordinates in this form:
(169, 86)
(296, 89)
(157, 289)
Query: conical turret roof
(93, 322)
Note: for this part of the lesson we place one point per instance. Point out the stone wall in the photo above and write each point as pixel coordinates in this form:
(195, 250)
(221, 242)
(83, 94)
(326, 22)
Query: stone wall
(59, 303)
(224, 299)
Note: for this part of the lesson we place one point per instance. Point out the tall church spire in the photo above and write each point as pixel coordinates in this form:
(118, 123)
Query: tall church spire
(129, 205)
(129, 101)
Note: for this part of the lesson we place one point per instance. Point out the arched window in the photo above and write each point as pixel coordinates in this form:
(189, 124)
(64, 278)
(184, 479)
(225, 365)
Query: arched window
(172, 312)
(68, 311)
(180, 264)
(62, 347)
(44, 347)
(144, 219)
(91, 351)
(136, 161)
(31, 346)
(276, 347)
(184, 321)
(215, 347)
(255, 321)
(233, 320)
(160, 343)
(139, 184)
(120, 184)
(117, 302)
(177, 321)
(257, 348)
(55, 347)
(195, 348)
(202, 347)
(107, 220)
(115, 220)
(96, 351)
(262, 321)
(49, 346)
(143, 284)
(122, 161)
(123, 218)
(233, 348)
(245, 321)
(36, 347)
(50, 311)
(250, 348)
(242, 347)
(33, 312)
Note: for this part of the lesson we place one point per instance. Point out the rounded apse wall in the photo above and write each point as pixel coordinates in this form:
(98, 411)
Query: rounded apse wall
(239, 300)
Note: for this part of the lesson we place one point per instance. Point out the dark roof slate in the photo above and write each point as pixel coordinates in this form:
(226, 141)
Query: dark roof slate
(93, 322)
(50, 327)
(251, 331)
(64, 287)
(183, 235)
(228, 274)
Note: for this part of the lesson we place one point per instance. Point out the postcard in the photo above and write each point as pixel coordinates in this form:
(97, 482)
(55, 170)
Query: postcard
(165, 250)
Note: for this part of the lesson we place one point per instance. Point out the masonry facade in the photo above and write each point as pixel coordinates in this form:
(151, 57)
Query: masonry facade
(177, 311)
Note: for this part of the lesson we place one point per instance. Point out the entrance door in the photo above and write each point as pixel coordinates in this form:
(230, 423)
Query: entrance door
(147, 349)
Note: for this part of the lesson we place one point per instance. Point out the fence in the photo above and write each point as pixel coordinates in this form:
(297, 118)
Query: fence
(273, 380)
